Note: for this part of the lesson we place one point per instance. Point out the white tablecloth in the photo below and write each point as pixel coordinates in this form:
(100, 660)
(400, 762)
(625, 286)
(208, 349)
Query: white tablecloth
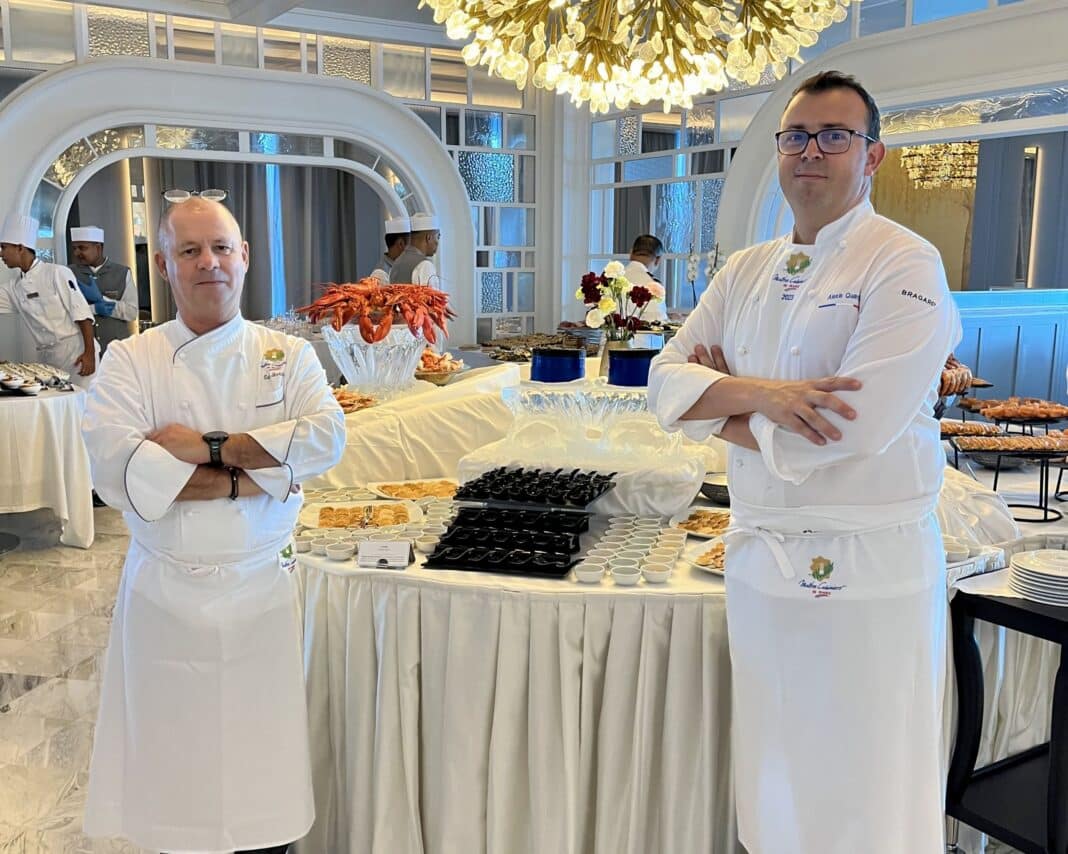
(426, 431)
(43, 462)
(464, 712)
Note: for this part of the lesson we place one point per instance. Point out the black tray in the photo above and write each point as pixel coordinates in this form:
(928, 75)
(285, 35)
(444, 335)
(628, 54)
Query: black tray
(505, 561)
(519, 486)
(554, 521)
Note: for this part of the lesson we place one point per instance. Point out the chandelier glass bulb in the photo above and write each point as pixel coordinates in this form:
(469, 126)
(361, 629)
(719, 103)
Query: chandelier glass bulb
(614, 53)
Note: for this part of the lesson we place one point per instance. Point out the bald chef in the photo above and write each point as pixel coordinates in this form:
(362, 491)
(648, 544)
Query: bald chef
(47, 298)
(200, 431)
(397, 237)
(817, 355)
(106, 285)
(413, 266)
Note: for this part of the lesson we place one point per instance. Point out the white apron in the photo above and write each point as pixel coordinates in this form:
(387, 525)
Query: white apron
(202, 737)
(837, 641)
(214, 704)
(63, 355)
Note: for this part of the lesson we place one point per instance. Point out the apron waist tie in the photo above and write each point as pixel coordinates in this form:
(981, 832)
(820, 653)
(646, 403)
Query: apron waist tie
(210, 566)
(773, 540)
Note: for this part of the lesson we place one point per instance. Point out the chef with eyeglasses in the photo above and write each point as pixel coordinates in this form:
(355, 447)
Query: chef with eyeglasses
(47, 298)
(817, 355)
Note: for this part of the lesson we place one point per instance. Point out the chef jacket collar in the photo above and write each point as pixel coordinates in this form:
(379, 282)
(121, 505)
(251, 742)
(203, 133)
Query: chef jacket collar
(33, 266)
(837, 230)
(183, 339)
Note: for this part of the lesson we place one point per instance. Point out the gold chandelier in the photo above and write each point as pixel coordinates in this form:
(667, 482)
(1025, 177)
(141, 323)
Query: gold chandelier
(619, 52)
(942, 164)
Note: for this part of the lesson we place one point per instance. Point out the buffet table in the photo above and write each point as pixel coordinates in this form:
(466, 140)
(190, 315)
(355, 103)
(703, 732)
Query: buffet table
(465, 712)
(43, 462)
(424, 432)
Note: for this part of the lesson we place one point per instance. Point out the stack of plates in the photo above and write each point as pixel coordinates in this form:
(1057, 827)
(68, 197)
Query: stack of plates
(1041, 576)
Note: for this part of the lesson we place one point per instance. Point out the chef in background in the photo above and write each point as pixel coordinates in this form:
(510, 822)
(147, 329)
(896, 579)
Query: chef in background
(397, 233)
(413, 266)
(47, 298)
(106, 285)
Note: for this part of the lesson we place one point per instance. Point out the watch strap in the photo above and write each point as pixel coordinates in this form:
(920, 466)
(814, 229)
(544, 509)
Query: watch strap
(233, 482)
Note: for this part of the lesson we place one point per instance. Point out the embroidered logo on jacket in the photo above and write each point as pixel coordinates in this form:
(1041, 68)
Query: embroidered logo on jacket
(797, 262)
(273, 364)
(820, 569)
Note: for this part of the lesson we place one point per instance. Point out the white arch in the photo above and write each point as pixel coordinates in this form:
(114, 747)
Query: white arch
(41, 119)
(1016, 47)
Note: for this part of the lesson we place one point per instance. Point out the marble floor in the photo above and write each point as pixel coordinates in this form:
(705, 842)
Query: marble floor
(55, 613)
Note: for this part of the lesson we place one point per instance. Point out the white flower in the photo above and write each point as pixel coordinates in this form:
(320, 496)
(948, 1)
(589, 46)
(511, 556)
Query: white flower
(595, 318)
(613, 270)
(656, 289)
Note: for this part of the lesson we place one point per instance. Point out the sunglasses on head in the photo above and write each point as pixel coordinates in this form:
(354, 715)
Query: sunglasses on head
(175, 196)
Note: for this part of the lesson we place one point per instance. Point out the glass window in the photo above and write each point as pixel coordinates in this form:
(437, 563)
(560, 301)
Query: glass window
(628, 142)
(630, 217)
(311, 49)
(674, 215)
(491, 293)
(117, 32)
(661, 132)
(67, 166)
(159, 24)
(281, 50)
(603, 139)
(604, 173)
(482, 258)
(519, 132)
(833, 36)
(355, 152)
(452, 127)
(42, 32)
(526, 179)
(524, 292)
(194, 40)
(431, 117)
(199, 139)
(735, 114)
(877, 16)
(649, 168)
(483, 129)
(703, 162)
(933, 10)
(448, 76)
(489, 222)
(285, 143)
(491, 91)
(711, 190)
(701, 125)
(488, 177)
(517, 227)
(602, 216)
(347, 58)
(404, 71)
(506, 259)
(114, 139)
(239, 46)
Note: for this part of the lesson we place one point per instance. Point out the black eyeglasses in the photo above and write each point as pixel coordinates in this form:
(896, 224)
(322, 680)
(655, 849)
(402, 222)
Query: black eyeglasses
(828, 140)
(175, 196)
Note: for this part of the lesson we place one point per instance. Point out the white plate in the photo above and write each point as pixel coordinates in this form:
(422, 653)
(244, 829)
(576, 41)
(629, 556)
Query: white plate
(376, 487)
(1051, 562)
(695, 550)
(685, 514)
(309, 513)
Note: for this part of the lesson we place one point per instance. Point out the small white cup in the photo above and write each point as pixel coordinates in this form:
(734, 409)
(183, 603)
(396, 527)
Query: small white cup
(340, 551)
(626, 579)
(318, 547)
(303, 545)
(382, 537)
(623, 564)
(656, 573)
(426, 544)
(665, 555)
(589, 574)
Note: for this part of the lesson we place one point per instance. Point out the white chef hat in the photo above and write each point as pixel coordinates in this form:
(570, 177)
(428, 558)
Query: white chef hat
(20, 230)
(425, 222)
(398, 225)
(87, 234)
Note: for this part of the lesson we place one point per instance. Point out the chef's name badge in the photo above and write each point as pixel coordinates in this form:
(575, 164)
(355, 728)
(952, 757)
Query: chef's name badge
(287, 560)
(273, 364)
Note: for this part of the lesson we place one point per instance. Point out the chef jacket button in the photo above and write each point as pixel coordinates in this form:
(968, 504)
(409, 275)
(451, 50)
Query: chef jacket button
(743, 350)
(841, 244)
(795, 351)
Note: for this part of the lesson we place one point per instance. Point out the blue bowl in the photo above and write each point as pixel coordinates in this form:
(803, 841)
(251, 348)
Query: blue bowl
(552, 365)
(630, 367)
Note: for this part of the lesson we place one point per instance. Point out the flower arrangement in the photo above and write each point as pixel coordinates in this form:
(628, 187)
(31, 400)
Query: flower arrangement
(375, 307)
(614, 303)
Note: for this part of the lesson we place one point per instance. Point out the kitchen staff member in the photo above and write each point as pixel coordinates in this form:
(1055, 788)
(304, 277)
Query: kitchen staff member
(413, 266)
(47, 298)
(397, 237)
(106, 285)
(201, 430)
(645, 257)
(818, 356)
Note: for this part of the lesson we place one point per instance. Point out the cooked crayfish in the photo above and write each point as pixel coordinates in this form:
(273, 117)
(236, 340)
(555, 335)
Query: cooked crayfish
(374, 307)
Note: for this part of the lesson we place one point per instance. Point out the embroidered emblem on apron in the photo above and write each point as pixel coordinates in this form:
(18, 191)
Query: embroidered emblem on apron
(821, 570)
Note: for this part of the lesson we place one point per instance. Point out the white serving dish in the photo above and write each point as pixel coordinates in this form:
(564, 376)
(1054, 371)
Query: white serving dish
(309, 513)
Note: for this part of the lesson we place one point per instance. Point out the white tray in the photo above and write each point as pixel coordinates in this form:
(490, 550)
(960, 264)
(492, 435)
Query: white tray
(309, 513)
(685, 514)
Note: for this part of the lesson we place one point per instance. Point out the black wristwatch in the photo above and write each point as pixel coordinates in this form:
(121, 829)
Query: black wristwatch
(215, 441)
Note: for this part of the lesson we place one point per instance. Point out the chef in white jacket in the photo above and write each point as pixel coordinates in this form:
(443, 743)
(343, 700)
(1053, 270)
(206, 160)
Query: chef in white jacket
(818, 355)
(413, 266)
(46, 297)
(645, 256)
(397, 234)
(201, 431)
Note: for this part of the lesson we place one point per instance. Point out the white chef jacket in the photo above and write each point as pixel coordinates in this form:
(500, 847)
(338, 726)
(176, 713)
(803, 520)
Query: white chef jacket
(201, 740)
(381, 275)
(425, 273)
(637, 273)
(47, 298)
(835, 573)
(872, 304)
(126, 306)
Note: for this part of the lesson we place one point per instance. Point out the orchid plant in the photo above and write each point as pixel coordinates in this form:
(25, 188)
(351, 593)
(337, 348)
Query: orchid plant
(614, 303)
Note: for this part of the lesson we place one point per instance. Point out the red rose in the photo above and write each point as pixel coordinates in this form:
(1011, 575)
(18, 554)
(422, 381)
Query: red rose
(640, 295)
